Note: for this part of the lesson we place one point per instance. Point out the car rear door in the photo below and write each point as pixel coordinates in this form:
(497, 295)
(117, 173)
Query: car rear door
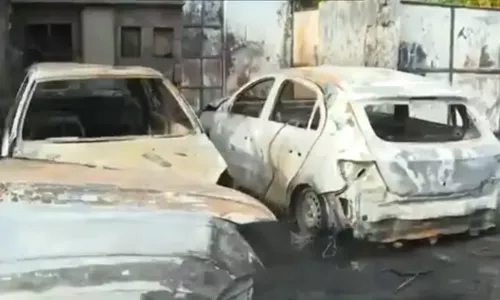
(299, 107)
(232, 129)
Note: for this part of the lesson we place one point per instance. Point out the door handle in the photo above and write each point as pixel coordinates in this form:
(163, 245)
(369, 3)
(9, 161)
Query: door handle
(231, 146)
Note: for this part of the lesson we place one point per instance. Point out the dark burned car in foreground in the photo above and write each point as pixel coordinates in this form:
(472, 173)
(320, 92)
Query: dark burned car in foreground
(86, 232)
(95, 252)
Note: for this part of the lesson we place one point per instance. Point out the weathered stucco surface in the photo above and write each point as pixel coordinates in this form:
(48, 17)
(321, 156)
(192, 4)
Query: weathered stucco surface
(306, 38)
(224, 42)
(359, 33)
(428, 41)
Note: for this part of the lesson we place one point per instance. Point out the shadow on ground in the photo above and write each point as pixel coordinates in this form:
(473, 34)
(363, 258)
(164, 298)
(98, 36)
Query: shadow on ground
(458, 267)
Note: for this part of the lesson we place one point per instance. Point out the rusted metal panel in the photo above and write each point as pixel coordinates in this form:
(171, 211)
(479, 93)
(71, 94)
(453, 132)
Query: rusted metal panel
(50, 182)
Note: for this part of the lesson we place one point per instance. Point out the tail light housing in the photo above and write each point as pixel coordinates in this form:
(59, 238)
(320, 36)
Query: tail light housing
(351, 170)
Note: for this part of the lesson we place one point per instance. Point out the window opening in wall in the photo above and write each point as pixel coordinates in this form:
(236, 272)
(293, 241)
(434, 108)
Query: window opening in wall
(421, 121)
(48, 42)
(110, 107)
(294, 104)
(130, 42)
(250, 102)
(163, 39)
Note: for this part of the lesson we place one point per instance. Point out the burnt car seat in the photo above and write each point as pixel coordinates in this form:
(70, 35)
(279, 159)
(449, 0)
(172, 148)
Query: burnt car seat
(53, 124)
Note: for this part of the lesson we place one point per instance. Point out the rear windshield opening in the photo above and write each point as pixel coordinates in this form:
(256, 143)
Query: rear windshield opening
(104, 107)
(421, 121)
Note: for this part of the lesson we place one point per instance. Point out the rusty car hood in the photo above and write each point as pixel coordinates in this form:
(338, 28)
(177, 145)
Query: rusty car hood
(57, 251)
(193, 155)
(46, 181)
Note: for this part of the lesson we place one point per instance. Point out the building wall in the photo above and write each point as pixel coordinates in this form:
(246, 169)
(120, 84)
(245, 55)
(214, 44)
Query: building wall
(149, 18)
(98, 25)
(306, 37)
(456, 45)
(97, 31)
(226, 42)
(4, 40)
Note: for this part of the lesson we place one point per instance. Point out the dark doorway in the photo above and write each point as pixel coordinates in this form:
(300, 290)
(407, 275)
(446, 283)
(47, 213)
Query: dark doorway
(47, 42)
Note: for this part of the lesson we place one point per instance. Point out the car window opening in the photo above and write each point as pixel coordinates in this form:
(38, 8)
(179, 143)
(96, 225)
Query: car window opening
(294, 106)
(421, 121)
(250, 101)
(104, 107)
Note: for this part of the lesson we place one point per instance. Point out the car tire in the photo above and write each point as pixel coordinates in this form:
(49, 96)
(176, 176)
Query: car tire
(226, 180)
(310, 213)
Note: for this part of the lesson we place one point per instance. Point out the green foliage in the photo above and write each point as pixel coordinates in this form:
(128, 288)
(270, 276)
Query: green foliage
(480, 3)
(313, 4)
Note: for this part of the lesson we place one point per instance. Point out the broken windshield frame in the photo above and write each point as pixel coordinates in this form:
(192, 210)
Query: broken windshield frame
(133, 107)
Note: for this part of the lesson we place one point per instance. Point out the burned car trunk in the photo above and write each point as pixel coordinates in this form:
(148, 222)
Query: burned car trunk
(59, 250)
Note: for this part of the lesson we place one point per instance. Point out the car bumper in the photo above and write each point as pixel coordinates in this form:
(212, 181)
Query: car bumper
(424, 218)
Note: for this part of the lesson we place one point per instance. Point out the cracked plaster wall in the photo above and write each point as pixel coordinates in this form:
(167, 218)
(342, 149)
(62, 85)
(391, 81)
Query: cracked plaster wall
(227, 42)
(425, 43)
(351, 34)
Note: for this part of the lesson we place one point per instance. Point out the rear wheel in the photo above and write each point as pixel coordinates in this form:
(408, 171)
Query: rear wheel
(310, 212)
(226, 180)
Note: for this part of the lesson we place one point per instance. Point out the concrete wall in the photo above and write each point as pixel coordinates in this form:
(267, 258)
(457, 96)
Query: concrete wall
(306, 37)
(4, 41)
(98, 28)
(357, 33)
(456, 45)
(226, 42)
(459, 46)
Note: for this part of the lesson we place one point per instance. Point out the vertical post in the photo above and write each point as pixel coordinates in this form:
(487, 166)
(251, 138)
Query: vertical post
(292, 25)
(202, 58)
(4, 41)
(224, 49)
(452, 44)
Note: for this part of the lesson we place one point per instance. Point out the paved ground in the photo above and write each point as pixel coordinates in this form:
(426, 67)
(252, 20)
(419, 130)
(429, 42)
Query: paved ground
(455, 268)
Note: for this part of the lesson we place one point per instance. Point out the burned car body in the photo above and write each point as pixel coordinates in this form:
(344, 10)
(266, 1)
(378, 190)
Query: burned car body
(93, 252)
(29, 180)
(390, 155)
(117, 117)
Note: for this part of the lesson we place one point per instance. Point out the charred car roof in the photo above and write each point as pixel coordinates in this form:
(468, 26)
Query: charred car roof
(55, 71)
(369, 81)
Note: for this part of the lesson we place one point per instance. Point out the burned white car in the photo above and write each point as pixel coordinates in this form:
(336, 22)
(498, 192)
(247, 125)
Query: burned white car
(109, 116)
(389, 155)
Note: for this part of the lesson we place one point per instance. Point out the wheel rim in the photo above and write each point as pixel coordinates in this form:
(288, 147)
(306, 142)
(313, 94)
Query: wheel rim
(310, 212)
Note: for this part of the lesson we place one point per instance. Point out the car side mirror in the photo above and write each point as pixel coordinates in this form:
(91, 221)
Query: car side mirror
(177, 75)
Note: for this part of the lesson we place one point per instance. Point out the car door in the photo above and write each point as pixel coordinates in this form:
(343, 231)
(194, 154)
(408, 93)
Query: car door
(231, 129)
(299, 106)
(12, 122)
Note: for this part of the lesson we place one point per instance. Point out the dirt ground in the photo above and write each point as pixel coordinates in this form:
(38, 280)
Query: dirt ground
(458, 268)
